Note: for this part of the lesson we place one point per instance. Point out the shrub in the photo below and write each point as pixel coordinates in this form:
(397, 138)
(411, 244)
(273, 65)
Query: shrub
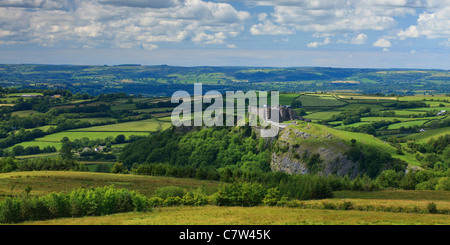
(272, 197)
(346, 205)
(443, 184)
(77, 203)
(240, 194)
(432, 208)
(169, 191)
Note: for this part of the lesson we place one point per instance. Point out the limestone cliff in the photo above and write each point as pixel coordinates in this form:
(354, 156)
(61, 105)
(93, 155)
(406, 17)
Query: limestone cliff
(300, 152)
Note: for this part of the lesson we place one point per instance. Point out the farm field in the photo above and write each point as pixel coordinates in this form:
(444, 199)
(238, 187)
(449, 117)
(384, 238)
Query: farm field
(45, 182)
(362, 97)
(408, 124)
(323, 115)
(55, 138)
(213, 215)
(426, 136)
(287, 99)
(135, 126)
(320, 101)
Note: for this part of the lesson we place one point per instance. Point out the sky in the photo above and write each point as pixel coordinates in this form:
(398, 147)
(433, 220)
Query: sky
(271, 33)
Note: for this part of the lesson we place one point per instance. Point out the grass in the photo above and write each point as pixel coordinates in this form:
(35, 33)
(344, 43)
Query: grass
(287, 99)
(323, 115)
(407, 124)
(135, 126)
(45, 182)
(41, 144)
(214, 215)
(423, 97)
(25, 113)
(55, 138)
(426, 136)
(320, 101)
(363, 97)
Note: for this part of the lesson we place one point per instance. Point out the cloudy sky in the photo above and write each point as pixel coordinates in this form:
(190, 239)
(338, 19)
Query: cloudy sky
(336, 33)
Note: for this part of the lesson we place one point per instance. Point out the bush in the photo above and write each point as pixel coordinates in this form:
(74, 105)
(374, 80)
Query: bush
(169, 191)
(240, 194)
(443, 184)
(77, 203)
(432, 208)
(272, 197)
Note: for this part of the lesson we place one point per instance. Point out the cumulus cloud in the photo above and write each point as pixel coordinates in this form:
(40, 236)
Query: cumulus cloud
(350, 17)
(359, 39)
(116, 23)
(317, 44)
(410, 32)
(144, 3)
(383, 43)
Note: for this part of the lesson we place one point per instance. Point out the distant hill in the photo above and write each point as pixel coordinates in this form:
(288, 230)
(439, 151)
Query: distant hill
(163, 80)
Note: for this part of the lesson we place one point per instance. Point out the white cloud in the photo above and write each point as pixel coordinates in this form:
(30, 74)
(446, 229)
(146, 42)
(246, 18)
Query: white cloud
(268, 28)
(408, 33)
(317, 44)
(382, 43)
(116, 23)
(143, 3)
(360, 39)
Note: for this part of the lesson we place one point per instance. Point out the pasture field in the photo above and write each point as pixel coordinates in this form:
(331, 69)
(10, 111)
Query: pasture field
(154, 110)
(423, 97)
(351, 125)
(362, 97)
(323, 115)
(214, 215)
(405, 112)
(447, 108)
(41, 144)
(57, 137)
(287, 99)
(320, 101)
(426, 136)
(97, 119)
(354, 106)
(134, 126)
(25, 113)
(45, 182)
(377, 119)
(407, 124)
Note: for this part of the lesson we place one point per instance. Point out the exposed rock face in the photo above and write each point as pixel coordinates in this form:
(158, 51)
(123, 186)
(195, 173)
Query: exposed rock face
(295, 158)
(285, 113)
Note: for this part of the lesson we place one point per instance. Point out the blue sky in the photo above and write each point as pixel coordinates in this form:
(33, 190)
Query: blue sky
(286, 33)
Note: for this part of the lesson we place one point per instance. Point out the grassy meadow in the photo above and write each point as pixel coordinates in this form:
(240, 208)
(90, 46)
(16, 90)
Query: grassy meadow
(45, 182)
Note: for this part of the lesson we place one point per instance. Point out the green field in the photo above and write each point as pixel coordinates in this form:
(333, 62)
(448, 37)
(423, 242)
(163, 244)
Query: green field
(25, 113)
(323, 115)
(41, 144)
(407, 124)
(320, 101)
(135, 126)
(426, 136)
(55, 138)
(287, 99)
(423, 97)
(354, 106)
(45, 182)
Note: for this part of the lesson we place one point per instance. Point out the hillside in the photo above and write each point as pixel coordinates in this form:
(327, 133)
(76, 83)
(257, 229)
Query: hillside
(312, 148)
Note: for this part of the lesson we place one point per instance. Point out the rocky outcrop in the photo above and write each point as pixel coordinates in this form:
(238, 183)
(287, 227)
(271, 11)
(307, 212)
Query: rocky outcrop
(303, 153)
(285, 113)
